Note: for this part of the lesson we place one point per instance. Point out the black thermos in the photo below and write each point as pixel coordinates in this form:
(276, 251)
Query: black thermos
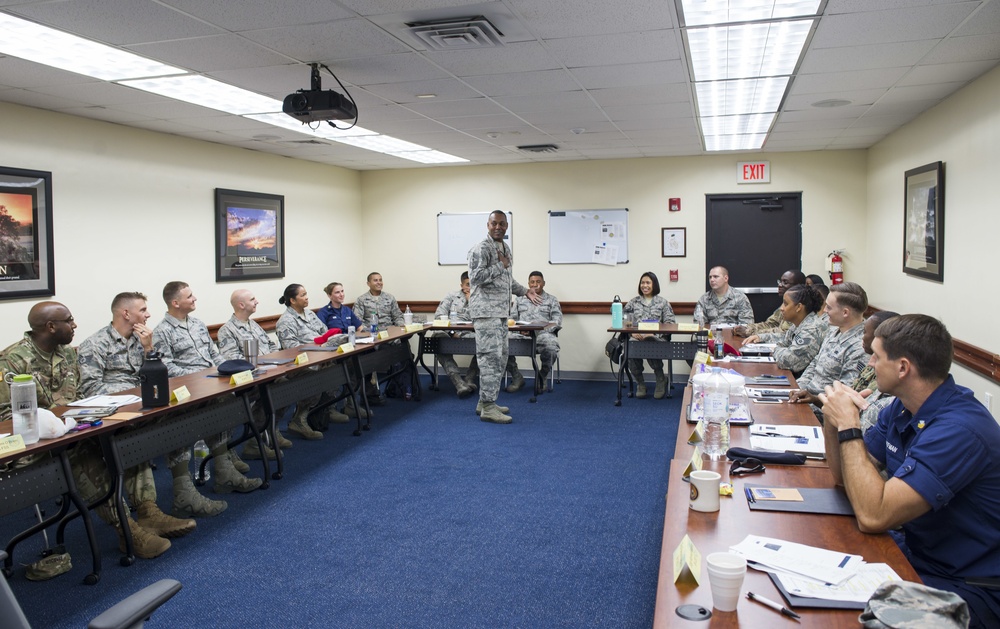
(154, 382)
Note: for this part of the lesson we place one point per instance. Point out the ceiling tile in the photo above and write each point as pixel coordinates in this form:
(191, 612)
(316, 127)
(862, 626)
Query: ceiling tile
(656, 73)
(524, 83)
(573, 18)
(858, 97)
(470, 107)
(606, 50)
(261, 14)
(843, 58)
(216, 52)
(896, 25)
(642, 94)
(328, 41)
(386, 69)
(407, 91)
(985, 21)
(971, 48)
(846, 81)
(517, 57)
(545, 102)
(946, 72)
(118, 22)
(909, 93)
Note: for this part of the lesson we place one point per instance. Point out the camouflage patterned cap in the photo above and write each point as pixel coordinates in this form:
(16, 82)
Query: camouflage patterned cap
(905, 605)
(48, 567)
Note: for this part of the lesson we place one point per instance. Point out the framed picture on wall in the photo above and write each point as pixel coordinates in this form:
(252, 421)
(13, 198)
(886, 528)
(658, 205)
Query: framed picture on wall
(26, 260)
(674, 242)
(249, 235)
(923, 222)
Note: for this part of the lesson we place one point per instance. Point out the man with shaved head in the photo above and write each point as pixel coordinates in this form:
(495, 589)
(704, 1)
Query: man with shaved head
(241, 327)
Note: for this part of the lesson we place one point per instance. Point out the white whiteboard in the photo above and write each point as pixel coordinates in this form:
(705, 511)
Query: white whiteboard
(457, 233)
(576, 235)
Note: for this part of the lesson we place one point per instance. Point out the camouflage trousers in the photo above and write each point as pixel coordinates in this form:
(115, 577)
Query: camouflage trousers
(491, 353)
(546, 345)
(92, 476)
(635, 366)
(448, 361)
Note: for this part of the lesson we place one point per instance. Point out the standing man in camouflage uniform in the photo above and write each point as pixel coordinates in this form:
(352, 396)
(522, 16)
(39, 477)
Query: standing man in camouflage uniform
(110, 360)
(492, 283)
(458, 302)
(722, 303)
(774, 323)
(241, 327)
(842, 356)
(186, 347)
(386, 311)
(547, 310)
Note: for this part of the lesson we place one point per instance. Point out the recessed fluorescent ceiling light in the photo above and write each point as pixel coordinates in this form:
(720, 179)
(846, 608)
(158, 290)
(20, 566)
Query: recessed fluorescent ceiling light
(749, 50)
(743, 53)
(41, 44)
(321, 131)
(701, 12)
(200, 90)
(430, 157)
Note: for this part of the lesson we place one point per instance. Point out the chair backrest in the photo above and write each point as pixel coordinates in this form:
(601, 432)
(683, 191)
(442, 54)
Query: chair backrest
(10, 610)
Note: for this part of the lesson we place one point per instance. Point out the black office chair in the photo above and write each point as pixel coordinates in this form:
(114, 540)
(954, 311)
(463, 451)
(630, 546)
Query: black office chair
(130, 613)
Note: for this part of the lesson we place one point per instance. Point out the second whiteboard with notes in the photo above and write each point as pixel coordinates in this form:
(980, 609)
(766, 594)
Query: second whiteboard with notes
(588, 236)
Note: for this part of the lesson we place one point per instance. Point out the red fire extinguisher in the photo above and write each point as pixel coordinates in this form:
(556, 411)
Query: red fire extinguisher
(836, 267)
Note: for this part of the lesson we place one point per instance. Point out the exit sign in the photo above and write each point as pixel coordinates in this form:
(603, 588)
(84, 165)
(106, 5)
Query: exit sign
(753, 172)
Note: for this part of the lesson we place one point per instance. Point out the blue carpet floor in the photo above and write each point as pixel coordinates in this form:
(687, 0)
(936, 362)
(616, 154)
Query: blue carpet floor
(431, 519)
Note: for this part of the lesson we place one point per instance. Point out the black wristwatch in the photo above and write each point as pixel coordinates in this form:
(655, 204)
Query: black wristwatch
(850, 434)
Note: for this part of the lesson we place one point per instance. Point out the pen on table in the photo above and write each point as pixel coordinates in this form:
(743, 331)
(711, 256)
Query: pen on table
(781, 609)
(749, 494)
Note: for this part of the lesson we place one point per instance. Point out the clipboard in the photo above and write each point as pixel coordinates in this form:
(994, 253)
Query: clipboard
(826, 501)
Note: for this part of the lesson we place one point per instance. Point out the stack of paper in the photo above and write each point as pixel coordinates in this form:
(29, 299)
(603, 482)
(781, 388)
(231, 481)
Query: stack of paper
(806, 440)
(816, 564)
(857, 589)
(107, 400)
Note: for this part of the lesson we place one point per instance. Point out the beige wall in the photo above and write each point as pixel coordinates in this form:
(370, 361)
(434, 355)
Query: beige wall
(964, 133)
(400, 226)
(134, 209)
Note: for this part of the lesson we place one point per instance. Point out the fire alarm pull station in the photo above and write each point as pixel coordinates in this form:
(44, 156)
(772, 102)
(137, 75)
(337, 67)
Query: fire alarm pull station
(674, 275)
(675, 204)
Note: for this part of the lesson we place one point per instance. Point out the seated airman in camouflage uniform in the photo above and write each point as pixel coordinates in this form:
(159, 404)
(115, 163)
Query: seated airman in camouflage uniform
(492, 283)
(648, 305)
(722, 304)
(458, 302)
(774, 323)
(383, 306)
(546, 343)
(186, 347)
(110, 360)
(241, 327)
(842, 356)
(800, 344)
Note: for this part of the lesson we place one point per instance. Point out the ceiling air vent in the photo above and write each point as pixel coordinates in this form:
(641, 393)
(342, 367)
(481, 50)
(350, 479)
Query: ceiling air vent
(457, 33)
(538, 148)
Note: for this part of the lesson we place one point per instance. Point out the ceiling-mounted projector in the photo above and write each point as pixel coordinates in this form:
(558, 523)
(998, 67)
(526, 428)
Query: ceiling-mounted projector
(317, 104)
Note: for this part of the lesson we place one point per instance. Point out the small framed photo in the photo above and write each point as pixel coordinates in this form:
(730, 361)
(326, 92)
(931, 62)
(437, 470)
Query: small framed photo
(249, 235)
(26, 253)
(674, 242)
(923, 222)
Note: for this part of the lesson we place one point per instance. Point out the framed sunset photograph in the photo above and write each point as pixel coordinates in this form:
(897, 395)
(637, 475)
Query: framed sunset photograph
(26, 253)
(250, 235)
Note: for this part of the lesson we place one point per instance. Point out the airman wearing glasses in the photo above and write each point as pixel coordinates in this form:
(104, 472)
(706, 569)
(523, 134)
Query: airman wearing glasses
(775, 323)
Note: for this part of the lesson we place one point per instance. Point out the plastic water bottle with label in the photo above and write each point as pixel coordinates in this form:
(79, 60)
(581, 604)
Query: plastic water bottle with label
(351, 334)
(408, 316)
(374, 324)
(24, 407)
(716, 402)
(200, 454)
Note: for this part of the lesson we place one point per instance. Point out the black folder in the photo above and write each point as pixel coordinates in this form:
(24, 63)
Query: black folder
(814, 500)
(805, 601)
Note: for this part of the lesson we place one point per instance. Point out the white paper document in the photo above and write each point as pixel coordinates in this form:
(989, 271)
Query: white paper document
(825, 566)
(857, 589)
(605, 254)
(367, 340)
(801, 439)
(107, 400)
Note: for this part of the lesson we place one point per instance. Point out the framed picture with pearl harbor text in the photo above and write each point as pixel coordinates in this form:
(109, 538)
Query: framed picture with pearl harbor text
(249, 235)
(27, 267)
(923, 222)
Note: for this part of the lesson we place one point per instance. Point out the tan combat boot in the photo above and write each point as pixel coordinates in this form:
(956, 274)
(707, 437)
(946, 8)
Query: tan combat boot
(479, 408)
(491, 413)
(187, 500)
(145, 544)
(150, 517)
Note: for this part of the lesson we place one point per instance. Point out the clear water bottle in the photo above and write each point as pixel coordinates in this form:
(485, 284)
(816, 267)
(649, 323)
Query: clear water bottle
(453, 315)
(351, 334)
(200, 454)
(408, 316)
(716, 404)
(720, 343)
(24, 407)
(374, 324)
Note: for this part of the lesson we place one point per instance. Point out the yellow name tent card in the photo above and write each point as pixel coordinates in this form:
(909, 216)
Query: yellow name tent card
(302, 359)
(179, 394)
(687, 561)
(384, 334)
(242, 377)
(649, 325)
(417, 327)
(11, 443)
(688, 327)
(694, 464)
(696, 435)
(439, 323)
(346, 347)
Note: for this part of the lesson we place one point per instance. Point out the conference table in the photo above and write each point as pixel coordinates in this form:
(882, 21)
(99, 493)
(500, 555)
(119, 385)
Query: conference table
(522, 344)
(668, 350)
(212, 405)
(716, 532)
